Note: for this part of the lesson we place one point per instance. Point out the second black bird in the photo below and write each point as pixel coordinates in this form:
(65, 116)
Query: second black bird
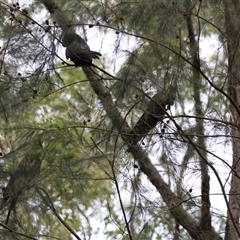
(78, 51)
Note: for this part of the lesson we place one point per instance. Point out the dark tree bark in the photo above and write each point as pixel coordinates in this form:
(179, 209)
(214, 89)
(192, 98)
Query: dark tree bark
(205, 222)
(232, 11)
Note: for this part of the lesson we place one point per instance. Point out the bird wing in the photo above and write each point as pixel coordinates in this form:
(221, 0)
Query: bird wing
(22, 178)
(75, 49)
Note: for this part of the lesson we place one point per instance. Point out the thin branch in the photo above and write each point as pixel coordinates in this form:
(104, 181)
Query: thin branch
(205, 221)
(118, 191)
(220, 90)
(17, 233)
(47, 200)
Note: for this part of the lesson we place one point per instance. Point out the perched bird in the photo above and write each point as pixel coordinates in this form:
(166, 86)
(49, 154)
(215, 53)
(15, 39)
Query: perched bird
(153, 114)
(78, 51)
(23, 178)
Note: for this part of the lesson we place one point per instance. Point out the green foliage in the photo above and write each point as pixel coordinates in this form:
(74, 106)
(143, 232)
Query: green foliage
(90, 182)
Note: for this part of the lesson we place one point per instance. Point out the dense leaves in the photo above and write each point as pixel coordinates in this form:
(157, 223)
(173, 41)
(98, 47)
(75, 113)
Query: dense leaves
(131, 147)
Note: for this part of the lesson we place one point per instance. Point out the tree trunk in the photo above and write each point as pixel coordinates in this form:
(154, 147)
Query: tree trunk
(232, 9)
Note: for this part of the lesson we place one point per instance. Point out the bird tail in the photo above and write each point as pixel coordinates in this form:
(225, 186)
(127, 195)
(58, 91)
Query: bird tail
(94, 54)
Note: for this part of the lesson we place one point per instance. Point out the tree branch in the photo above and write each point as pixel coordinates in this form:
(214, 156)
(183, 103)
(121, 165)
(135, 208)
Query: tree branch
(170, 198)
(47, 200)
(205, 222)
(232, 21)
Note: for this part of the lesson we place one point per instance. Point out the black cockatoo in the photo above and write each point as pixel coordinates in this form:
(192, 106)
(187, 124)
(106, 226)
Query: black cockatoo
(78, 51)
(23, 178)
